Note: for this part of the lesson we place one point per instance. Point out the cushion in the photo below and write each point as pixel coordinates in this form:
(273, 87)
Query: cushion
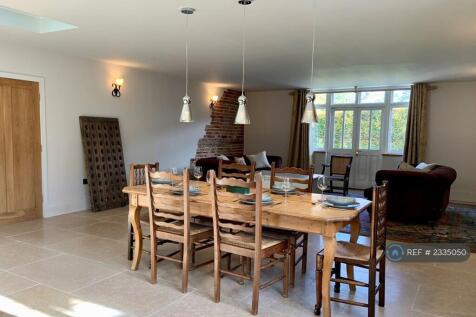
(260, 159)
(240, 160)
(425, 166)
(404, 166)
(223, 157)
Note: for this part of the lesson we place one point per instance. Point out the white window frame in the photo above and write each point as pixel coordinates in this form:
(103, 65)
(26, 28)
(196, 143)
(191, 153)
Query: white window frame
(386, 108)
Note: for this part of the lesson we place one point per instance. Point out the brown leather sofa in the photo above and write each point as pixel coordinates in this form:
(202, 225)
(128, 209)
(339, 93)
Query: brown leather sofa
(416, 197)
(212, 163)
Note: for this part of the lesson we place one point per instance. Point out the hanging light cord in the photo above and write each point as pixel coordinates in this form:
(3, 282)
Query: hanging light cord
(314, 48)
(186, 55)
(243, 52)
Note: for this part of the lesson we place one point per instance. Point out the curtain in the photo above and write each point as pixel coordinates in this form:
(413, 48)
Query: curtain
(415, 138)
(298, 155)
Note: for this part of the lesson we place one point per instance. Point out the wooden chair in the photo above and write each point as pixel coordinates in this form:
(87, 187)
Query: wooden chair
(296, 239)
(137, 177)
(339, 172)
(362, 256)
(170, 221)
(237, 229)
(235, 170)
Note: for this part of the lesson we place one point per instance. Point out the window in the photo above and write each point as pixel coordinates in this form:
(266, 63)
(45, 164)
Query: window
(398, 127)
(343, 129)
(370, 127)
(320, 99)
(372, 97)
(401, 96)
(343, 98)
(318, 130)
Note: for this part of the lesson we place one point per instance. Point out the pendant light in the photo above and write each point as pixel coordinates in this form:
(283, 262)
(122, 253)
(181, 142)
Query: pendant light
(309, 115)
(242, 116)
(186, 114)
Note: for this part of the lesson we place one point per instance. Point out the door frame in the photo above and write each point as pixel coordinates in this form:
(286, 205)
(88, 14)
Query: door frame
(355, 151)
(43, 137)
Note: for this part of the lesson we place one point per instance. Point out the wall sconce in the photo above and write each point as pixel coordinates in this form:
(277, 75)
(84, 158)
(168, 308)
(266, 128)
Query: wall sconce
(213, 101)
(116, 92)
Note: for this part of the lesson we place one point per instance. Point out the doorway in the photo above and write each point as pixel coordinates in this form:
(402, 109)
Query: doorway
(20, 151)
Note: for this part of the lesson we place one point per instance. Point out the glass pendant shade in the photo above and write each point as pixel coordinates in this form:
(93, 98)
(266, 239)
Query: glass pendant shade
(242, 116)
(186, 114)
(309, 115)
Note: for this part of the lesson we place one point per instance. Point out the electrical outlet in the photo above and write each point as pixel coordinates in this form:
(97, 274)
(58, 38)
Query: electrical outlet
(85, 181)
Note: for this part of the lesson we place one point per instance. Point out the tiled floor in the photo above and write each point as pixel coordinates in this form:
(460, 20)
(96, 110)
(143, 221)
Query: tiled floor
(75, 265)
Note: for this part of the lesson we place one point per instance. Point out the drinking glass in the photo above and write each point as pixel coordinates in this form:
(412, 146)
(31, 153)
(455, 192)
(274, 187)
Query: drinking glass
(197, 172)
(286, 188)
(173, 172)
(208, 177)
(322, 185)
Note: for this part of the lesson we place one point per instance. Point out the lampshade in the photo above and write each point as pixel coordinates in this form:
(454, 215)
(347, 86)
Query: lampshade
(186, 114)
(242, 116)
(309, 115)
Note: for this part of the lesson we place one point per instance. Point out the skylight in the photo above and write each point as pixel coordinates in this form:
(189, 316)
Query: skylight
(27, 22)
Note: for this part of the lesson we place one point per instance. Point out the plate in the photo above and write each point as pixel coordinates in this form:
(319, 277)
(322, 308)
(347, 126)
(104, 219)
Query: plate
(193, 190)
(252, 202)
(160, 181)
(328, 204)
(282, 192)
(341, 201)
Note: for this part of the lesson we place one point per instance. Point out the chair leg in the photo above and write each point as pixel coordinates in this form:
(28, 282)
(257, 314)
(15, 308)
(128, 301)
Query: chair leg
(286, 275)
(319, 263)
(217, 273)
(371, 300)
(381, 279)
(256, 284)
(304, 253)
(185, 267)
(130, 242)
(153, 260)
(242, 267)
(292, 260)
(338, 275)
(228, 262)
(193, 253)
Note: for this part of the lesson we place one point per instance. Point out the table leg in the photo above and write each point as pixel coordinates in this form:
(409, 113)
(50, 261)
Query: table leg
(329, 253)
(134, 219)
(354, 236)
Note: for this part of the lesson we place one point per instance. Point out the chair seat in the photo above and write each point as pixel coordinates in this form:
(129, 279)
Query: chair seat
(194, 229)
(246, 240)
(353, 252)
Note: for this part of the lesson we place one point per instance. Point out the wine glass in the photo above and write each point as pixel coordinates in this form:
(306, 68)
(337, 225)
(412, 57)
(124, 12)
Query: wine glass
(322, 185)
(286, 188)
(173, 172)
(197, 172)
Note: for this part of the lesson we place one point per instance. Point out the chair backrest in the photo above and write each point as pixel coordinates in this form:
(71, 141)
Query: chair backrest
(230, 217)
(293, 171)
(137, 172)
(166, 213)
(235, 170)
(340, 165)
(379, 219)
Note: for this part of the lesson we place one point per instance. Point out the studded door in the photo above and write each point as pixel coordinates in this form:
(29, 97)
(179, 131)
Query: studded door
(104, 162)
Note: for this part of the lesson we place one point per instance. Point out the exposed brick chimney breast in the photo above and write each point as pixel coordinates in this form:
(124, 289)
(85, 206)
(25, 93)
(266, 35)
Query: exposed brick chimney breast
(222, 136)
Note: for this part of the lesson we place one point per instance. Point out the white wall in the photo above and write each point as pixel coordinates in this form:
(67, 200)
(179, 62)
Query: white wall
(148, 113)
(452, 134)
(270, 114)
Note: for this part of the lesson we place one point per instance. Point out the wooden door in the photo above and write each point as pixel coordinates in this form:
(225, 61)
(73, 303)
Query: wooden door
(20, 151)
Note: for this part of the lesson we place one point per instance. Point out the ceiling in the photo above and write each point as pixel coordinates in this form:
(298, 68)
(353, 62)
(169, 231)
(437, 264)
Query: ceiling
(365, 43)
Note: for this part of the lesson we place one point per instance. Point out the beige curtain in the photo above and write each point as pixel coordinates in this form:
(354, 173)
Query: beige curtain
(415, 139)
(298, 155)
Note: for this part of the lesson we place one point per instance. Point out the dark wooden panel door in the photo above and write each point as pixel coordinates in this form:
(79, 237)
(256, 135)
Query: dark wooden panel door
(20, 151)
(104, 162)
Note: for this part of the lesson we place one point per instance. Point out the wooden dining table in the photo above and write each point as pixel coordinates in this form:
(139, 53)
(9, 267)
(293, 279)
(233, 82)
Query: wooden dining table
(302, 212)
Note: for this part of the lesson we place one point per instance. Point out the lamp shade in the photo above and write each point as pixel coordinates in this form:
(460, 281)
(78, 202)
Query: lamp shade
(242, 116)
(309, 115)
(186, 114)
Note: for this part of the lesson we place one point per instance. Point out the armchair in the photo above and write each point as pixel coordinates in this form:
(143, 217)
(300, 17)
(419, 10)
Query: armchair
(339, 172)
